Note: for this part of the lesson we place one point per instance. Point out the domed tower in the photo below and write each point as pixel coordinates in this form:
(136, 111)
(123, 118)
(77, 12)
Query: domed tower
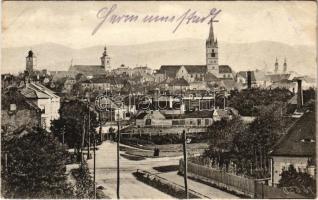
(105, 60)
(212, 57)
(30, 61)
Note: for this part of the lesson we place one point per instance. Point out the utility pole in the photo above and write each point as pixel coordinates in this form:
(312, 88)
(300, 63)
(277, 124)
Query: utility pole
(118, 141)
(83, 138)
(94, 150)
(185, 165)
(89, 126)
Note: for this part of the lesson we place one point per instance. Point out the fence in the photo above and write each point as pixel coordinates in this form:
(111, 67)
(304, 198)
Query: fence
(238, 184)
(268, 192)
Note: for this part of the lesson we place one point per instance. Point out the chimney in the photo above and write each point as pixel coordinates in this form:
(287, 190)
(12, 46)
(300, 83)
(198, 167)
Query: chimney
(299, 95)
(249, 79)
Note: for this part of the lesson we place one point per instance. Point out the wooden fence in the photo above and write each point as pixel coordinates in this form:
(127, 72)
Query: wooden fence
(238, 184)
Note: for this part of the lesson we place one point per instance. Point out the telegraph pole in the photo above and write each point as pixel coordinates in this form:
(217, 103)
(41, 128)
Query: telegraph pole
(89, 126)
(118, 141)
(94, 150)
(185, 165)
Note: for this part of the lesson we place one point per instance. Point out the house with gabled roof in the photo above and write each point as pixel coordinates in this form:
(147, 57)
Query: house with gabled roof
(297, 148)
(45, 99)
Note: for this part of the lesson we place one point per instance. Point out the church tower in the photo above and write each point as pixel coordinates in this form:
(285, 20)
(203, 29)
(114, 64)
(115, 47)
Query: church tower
(276, 66)
(212, 53)
(30, 61)
(285, 66)
(105, 60)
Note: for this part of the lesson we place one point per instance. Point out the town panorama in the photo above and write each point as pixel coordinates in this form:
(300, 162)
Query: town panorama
(201, 126)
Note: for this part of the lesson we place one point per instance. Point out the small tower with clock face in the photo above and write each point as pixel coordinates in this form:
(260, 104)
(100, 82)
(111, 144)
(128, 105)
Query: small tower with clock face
(212, 53)
(30, 61)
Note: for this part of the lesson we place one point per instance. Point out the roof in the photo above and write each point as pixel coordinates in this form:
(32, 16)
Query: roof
(97, 80)
(300, 140)
(244, 75)
(210, 77)
(278, 77)
(194, 114)
(37, 91)
(171, 70)
(88, 69)
(220, 112)
(225, 69)
(179, 82)
(229, 84)
(141, 115)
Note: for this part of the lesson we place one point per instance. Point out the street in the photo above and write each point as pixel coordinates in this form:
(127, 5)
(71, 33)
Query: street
(130, 187)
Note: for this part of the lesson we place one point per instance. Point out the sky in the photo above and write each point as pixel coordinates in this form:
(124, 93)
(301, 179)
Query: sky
(72, 23)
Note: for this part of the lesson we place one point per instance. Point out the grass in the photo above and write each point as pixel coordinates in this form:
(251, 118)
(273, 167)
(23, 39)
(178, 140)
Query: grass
(167, 168)
(132, 157)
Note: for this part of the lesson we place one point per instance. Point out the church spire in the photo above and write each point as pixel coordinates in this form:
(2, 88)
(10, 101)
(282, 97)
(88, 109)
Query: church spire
(211, 34)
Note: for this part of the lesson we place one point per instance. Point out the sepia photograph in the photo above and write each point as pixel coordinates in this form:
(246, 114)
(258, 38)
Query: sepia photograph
(158, 99)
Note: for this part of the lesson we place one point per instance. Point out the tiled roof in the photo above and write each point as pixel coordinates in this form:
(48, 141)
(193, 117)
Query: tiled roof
(88, 69)
(179, 82)
(196, 69)
(225, 69)
(300, 139)
(210, 77)
(171, 70)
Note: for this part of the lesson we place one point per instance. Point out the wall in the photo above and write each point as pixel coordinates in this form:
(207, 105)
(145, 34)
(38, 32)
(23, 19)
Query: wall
(29, 118)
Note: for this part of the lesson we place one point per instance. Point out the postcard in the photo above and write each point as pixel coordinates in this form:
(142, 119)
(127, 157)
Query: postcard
(158, 99)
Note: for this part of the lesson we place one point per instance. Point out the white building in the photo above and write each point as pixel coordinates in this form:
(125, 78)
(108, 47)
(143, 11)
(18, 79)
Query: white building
(45, 99)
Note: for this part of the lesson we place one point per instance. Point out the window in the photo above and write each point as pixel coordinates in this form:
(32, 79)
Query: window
(148, 122)
(213, 54)
(207, 122)
(199, 122)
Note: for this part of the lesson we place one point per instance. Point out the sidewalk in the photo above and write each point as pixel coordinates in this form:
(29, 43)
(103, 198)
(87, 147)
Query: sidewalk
(201, 188)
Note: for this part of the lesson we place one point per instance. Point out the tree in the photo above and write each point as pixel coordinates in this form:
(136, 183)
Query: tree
(248, 101)
(259, 138)
(298, 182)
(84, 183)
(71, 123)
(35, 166)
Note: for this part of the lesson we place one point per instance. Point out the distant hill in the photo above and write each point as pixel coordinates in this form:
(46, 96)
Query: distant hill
(257, 55)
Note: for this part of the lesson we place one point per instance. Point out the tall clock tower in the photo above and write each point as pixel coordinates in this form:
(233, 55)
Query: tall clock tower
(30, 61)
(212, 56)
(105, 60)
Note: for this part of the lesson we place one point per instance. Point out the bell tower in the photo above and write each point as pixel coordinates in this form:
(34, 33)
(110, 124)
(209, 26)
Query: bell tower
(30, 61)
(105, 60)
(212, 56)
